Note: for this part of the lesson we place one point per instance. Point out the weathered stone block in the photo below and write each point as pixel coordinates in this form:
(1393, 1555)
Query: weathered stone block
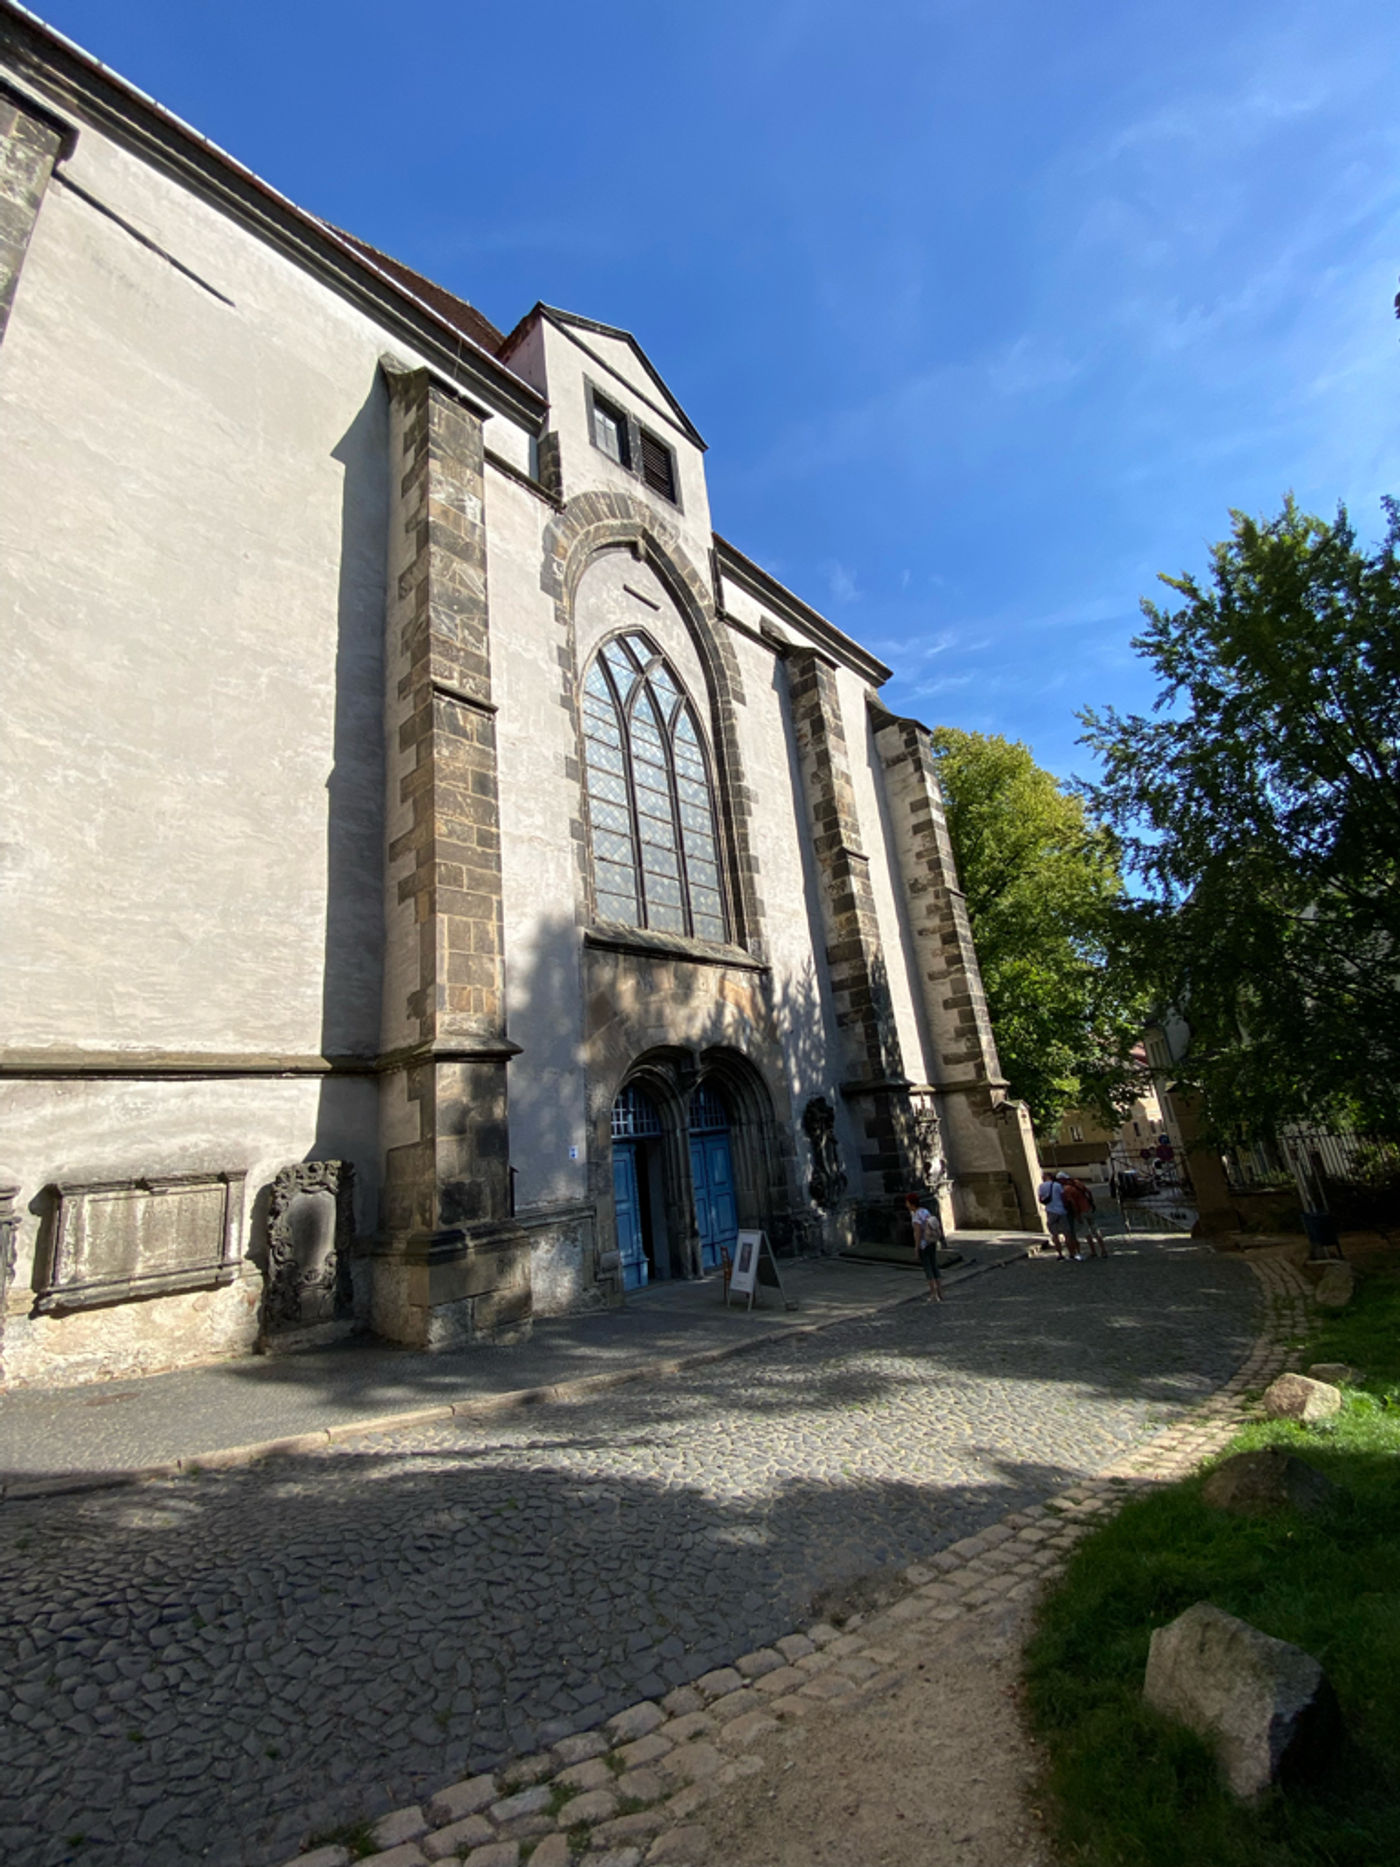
(754, 1665)
(644, 1750)
(637, 1721)
(1265, 1706)
(526, 1802)
(578, 1749)
(1256, 1484)
(553, 1851)
(595, 1805)
(391, 1831)
(464, 1798)
(473, 1831)
(1335, 1287)
(1295, 1397)
(717, 1684)
(1335, 1373)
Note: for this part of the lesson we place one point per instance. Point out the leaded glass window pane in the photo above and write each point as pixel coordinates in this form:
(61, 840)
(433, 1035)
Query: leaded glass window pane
(605, 757)
(610, 816)
(650, 805)
(617, 878)
(611, 847)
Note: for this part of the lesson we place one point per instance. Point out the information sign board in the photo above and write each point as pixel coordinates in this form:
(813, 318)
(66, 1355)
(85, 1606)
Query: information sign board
(755, 1264)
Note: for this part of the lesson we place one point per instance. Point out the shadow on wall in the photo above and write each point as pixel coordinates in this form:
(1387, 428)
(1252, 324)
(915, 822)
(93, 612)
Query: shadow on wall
(352, 976)
(543, 987)
(790, 1048)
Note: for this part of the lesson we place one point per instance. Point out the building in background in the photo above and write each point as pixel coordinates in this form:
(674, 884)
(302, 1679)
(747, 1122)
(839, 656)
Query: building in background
(446, 882)
(1148, 1142)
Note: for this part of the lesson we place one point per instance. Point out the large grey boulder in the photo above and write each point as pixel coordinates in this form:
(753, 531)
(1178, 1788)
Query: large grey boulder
(1295, 1397)
(1335, 1287)
(1257, 1484)
(1338, 1373)
(1265, 1706)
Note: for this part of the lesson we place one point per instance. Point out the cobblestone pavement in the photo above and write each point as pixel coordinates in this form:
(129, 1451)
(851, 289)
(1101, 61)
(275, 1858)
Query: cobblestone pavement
(210, 1668)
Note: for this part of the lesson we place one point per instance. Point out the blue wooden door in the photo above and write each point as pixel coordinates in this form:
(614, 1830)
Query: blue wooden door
(716, 1216)
(628, 1207)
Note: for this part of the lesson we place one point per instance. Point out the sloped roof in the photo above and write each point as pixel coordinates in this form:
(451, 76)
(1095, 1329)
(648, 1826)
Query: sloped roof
(451, 334)
(456, 311)
(576, 327)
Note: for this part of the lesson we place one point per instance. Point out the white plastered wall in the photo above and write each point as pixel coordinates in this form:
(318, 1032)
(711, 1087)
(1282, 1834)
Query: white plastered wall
(193, 509)
(539, 869)
(586, 467)
(789, 885)
(192, 520)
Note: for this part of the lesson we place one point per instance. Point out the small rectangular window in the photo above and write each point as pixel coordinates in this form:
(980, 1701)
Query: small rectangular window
(610, 431)
(658, 466)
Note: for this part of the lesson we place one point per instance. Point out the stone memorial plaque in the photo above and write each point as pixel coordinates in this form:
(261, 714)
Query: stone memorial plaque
(118, 1239)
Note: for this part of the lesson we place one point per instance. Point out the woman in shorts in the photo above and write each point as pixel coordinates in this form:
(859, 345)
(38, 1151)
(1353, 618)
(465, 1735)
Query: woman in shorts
(928, 1236)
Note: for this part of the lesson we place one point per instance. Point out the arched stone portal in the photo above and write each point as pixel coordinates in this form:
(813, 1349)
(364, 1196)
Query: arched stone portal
(694, 1157)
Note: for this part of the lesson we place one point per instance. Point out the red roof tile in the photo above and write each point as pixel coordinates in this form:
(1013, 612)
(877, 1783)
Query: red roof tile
(466, 318)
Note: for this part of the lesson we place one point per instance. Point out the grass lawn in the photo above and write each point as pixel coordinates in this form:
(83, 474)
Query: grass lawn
(1127, 1789)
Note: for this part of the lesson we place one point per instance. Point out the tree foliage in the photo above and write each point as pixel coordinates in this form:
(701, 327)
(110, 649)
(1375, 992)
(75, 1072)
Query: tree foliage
(1042, 886)
(1261, 808)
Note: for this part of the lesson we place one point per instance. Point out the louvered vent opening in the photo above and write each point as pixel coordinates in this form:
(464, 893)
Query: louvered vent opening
(658, 469)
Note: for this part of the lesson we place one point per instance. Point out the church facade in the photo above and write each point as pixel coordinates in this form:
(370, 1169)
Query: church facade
(446, 883)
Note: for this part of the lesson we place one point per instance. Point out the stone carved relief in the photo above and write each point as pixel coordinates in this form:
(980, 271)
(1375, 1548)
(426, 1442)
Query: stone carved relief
(926, 1142)
(828, 1181)
(310, 1231)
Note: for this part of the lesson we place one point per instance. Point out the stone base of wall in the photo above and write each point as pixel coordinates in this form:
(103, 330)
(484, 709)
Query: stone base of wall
(984, 1202)
(449, 1290)
(316, 1335)
(127, 1340)
(564, 1262)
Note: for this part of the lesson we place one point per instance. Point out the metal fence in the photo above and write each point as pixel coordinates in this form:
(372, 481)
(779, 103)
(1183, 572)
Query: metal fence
(1338, 1170)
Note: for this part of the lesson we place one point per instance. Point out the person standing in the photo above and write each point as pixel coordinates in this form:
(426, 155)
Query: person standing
(1087, 1218)
(928, 1236)
(1051, 1195)
(1074, 1206)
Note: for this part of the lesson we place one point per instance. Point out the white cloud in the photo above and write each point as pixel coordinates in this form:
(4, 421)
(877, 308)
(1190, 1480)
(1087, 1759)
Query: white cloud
(841, 582)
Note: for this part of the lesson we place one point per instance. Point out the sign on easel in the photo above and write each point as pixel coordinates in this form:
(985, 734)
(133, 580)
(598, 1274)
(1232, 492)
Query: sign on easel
(755, 1264)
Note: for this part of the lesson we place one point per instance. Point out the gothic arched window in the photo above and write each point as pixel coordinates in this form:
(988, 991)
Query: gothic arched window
(650, 801)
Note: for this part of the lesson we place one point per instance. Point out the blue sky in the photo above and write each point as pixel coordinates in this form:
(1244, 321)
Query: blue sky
(989, 311)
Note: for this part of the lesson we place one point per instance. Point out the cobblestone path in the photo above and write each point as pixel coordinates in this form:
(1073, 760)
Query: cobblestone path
(207, 1669)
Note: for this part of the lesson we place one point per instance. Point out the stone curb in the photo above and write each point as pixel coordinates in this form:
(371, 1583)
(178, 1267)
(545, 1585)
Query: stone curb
(481, 1407)
(661, 1762)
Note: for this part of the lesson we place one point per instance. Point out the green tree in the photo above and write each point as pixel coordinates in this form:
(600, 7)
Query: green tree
(1043, 889)
(1261, 808)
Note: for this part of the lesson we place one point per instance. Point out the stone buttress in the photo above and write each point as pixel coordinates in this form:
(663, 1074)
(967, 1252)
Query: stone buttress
(451, 1265)
(874, 1081)
(989, 1140)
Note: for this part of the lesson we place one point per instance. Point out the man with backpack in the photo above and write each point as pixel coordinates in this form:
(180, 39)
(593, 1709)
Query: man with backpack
(1058, 1215)
(1080, 1199)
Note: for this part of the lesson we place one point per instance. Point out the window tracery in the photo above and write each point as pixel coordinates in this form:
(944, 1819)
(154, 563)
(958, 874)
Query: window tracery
(650, 799)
